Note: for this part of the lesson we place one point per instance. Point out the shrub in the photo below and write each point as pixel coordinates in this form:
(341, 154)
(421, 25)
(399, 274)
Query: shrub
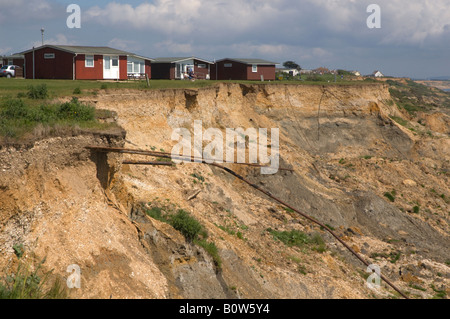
(155, 213)
(389, 196)
(77, 90)
(76, 110)
(212, 250)
(18, 250)
(38, 92)
(416, 209)
(290, 238)
(27, 284)
(14, 108)
(186, 224)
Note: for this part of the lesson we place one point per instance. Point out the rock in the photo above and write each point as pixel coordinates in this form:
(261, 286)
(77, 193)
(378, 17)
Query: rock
(409, 183)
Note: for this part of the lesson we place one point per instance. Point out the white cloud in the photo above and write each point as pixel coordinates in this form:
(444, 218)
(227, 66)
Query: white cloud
(175, 47)
(58, 39)
(183, 17)
(25, 10)
(126, 45)
(6, 51)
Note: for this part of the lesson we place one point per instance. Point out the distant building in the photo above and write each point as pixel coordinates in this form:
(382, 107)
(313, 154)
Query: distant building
(377, 74)
(243, 69)
(176, 68)
(84, 63)
(321, 71)
(356, 73)
(305, 71)
(14, 59)
(291, 72)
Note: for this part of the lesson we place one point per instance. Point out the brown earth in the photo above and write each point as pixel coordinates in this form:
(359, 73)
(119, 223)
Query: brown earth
(75, 206)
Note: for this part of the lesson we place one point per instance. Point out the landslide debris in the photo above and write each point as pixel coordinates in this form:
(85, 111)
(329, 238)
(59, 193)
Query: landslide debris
(346, 147)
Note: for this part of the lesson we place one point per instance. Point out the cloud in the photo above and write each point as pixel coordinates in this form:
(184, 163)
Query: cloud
(175, 47)
(26, 11)
(6, 51)
(58, 39)
(126, 45)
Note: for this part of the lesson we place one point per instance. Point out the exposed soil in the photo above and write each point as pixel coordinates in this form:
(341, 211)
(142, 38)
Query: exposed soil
(75, 206)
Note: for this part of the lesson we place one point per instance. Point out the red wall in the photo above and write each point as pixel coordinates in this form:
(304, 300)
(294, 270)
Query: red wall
(148, 68)
(61, 67)
(241, 71)
(123, 73)
(84, 73)
(200, 72)
(268, 71)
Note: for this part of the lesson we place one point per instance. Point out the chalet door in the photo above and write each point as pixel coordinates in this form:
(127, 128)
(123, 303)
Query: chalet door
(178, 74)
(110, 67)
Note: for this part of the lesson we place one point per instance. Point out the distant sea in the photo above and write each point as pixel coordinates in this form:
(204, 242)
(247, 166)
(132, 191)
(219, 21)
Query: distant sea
(446, 90)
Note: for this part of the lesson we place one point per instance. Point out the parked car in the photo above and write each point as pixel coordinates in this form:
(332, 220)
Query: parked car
(8, 71)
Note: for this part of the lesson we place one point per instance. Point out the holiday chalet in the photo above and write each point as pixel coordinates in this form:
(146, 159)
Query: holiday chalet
(84, 63)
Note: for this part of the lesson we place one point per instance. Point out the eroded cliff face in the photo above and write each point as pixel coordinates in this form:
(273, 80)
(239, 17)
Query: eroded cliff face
(75, 206)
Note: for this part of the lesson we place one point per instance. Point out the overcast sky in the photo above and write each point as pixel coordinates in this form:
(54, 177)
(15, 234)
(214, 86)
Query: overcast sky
(414, 38)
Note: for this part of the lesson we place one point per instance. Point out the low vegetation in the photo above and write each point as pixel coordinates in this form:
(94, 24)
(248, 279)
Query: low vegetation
(414, 97)
(186, 224)
(295, 238)
(29, 281)
(18, 117)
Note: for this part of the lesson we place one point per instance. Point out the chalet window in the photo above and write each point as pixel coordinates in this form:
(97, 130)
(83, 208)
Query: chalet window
(89, 61)
(202, 66)
(10, 61)
(136, 67)
(49, 55)
(115, 61)
(228, 65)
(254, 68)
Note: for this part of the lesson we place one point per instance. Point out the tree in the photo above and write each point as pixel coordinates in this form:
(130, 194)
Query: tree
(291, 65)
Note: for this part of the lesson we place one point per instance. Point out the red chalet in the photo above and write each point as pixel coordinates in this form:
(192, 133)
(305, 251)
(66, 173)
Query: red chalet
(243, 69)
(84, 63)
(178, 68)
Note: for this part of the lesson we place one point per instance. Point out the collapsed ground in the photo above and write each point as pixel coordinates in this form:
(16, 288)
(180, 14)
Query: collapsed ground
(368, 162)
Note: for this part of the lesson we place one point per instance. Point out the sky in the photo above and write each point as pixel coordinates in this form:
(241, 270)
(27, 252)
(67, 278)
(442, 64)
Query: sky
(413, 38)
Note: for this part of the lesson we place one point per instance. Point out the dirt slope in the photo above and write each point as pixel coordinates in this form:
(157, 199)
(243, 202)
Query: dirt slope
(78, 207)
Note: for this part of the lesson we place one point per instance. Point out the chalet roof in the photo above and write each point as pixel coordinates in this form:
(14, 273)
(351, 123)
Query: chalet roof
(87, 50)
(250, 61)
(178, 59)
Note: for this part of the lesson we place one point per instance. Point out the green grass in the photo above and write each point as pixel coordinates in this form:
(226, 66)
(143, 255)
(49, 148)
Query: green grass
(399, 120)
(211, 249)
(187, 225)
(295, 238)
(414, 97)
(25, 283)
(290, 238)
(19, 117)
(61, 88)
(390, 196)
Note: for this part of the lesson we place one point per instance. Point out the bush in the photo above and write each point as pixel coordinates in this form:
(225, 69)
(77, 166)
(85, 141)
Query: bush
(14, 108)
(290, 238)
(389, 196)
(77, 91)
(76, 110)
(186, 224)
(26, 284)
(212, 250)
(38, 92)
